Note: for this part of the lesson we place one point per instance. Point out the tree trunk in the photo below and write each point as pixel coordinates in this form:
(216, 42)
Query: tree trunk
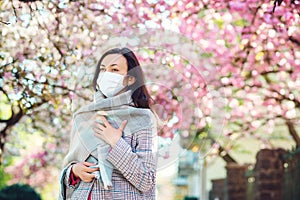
(15, 118)
(293, 132)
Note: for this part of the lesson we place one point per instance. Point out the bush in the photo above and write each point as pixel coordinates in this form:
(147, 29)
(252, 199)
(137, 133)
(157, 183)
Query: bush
(5, 177)
(19, 191)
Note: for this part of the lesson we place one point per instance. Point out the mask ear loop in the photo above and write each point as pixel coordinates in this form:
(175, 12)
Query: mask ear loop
(125, 76)
(129, 76)
(94, 100)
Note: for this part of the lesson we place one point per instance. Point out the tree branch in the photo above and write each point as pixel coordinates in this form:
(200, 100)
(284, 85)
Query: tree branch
(6, 23)
(294, 40)
(3, 133)
(8, 64)
(224, 154)
(293, 132)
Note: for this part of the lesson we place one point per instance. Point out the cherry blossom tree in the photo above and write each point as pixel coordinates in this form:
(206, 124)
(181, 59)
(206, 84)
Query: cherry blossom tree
(241, 58)
(257, 51)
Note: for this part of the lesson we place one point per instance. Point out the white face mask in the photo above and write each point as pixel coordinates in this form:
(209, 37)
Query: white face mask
(110, 83)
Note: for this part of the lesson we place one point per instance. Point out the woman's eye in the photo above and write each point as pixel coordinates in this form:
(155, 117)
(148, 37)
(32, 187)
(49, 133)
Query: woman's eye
(115, 70)
(102, 69)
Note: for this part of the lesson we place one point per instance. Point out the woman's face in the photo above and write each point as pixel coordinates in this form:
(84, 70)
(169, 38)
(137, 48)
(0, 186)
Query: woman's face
(115, 63)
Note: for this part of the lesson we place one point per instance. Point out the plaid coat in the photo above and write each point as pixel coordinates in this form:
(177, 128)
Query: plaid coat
(134, 172)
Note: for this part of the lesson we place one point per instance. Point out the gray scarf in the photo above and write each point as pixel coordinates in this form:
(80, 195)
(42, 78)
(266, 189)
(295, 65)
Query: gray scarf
(84, 145)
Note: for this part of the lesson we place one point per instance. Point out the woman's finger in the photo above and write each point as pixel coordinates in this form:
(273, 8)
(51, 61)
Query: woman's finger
(123, 124)
(89, 164)
(97, 132)
(99, 126)
(99, 135)
(91, 176)
(87, 177)
(89, 169)
(104, 120)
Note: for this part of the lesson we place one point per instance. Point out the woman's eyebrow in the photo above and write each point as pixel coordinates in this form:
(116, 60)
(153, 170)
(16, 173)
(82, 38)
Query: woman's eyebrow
(110, 65)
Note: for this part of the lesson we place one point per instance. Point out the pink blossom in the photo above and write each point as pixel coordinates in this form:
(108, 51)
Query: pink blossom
(238, 6)
(20, 56)
(8, 75)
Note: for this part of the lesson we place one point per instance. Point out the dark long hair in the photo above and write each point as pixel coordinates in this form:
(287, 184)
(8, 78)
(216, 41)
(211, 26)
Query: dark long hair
(140, 95)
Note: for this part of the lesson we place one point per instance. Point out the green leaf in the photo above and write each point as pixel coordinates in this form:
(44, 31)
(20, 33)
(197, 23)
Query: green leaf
(240, 22)
(228, 45)
(5, 177)
(206, 55)
(5, 108)
(41, 58)
(201, 13)
(219, 23)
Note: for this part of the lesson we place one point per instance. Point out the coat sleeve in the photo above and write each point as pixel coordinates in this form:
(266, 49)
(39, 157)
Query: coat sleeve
(138, 164)
(66, 188)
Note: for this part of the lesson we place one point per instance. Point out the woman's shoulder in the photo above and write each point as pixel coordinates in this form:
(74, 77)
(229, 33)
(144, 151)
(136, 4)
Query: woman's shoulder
(140, 111)
(141, 118)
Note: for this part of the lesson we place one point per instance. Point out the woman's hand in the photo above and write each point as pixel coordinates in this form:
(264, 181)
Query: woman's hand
(83, 171)
(106, 132)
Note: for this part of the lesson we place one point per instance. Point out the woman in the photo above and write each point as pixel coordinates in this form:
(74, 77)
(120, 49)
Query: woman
(112, 144)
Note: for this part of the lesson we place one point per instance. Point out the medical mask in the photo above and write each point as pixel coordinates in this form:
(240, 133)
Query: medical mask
(110, 83)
